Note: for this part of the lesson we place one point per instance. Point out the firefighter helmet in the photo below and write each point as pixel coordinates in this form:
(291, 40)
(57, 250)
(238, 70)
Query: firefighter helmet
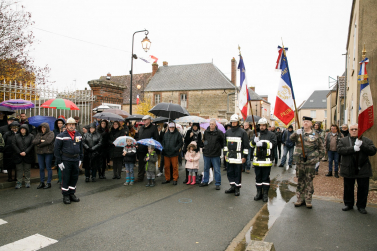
(71, 121)
(234, 118)
(262, 121)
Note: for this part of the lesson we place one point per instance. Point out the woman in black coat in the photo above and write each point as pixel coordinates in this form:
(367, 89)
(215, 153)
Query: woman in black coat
(92, 143)
(103, 129)
(116, 152)
(23, 154)
(8, 160)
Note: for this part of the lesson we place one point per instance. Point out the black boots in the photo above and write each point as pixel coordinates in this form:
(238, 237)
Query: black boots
(236, 191)
(47, 186)
(149, 183)
(66, 199)
(329, 174)
(259, 194)
(41, 185)
(265, 195)
(336, 174)
(231, 189)
(152, 183)
(87, 179)
(74, 198)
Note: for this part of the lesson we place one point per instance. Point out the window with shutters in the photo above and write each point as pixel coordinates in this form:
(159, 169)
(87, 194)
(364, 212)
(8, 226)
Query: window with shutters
(313, 113)
(157, 99)
(184, 100)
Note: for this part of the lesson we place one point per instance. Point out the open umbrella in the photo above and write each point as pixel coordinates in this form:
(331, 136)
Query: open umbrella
(250, 118)
(16, 104)
(219, 126)
(160, 120)
(59, 103)
(190, 119)
(108, 116)
(6, 110)
(38, 120)
(122, 141)
(149, 142)
(169, 110)
(119, 112)
(135, 117)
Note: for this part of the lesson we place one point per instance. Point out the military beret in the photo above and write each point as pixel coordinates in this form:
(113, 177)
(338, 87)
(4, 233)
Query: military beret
(307, 118)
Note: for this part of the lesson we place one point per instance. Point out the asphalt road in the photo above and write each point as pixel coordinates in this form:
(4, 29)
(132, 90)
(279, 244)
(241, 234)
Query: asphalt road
(111, 216)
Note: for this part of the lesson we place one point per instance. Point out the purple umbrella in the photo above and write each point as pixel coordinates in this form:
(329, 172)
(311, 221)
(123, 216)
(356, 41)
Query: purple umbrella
(219, 126)
(16, 104)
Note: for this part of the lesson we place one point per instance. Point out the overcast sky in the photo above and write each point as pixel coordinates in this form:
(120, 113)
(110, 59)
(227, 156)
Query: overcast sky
(190, 32)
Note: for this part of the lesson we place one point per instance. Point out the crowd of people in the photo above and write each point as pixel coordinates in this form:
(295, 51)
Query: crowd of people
(70, 146)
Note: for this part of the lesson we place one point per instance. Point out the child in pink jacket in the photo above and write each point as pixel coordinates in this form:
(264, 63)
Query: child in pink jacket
(192, 164)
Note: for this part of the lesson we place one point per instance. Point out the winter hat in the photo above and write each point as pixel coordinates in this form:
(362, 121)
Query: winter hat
(290, 126)
(193, 145)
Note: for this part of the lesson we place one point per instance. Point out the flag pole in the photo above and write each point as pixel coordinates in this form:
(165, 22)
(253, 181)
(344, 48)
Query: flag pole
(294, 102)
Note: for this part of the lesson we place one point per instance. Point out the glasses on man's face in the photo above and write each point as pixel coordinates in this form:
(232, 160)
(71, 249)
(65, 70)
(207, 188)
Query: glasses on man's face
(354, 129)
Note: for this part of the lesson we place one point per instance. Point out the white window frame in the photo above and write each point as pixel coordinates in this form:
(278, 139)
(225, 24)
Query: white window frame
(325, 114)
(157, 99)
(313, 112)
(184, 100)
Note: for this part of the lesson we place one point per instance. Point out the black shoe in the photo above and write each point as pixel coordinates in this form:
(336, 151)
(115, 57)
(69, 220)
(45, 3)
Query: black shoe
(236, 191)
(41, 185)
(259, 195)
(165, 182)
(281, 165)
(10, 180)
(347, 208)
(290, 166)
(217, 187)
(118, 177)
(265, 195)
(149, 183)
(100, 177)
(203, 184)
(362, 210)
(93, 179)
(152, 183)
(175, 183)
(66, 199)
(74, 198)
(87, 179)
(230, 190)
(185, 181)
(336, 175)
(114, 177)
(47, 186)
(329, 174)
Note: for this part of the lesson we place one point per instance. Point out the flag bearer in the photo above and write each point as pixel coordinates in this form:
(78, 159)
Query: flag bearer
(68, 153)
(236, 150)
(305, 167)
(263, 144)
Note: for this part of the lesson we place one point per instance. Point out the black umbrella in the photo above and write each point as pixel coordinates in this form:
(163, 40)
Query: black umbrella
(169, 110)
(136, 117)
(108, 116)
(250, 118)
(160, 120)
(6, 110)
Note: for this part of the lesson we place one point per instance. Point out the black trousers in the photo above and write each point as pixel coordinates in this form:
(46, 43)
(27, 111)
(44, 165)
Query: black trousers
(279, 149)
(141, 170)
(103, 164)
(234, 172)
(262, 177)
(70, 175)
(9, 166)
(93, 166)
(162, 164)
(117, 166)
(362, 192)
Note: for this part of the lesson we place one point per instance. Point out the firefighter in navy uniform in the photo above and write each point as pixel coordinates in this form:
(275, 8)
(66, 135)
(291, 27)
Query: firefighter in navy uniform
(68, 153)
(262, 158)
(236, 149)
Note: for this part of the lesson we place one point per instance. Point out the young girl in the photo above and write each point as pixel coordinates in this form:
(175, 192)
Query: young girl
(192, 164)
(129, 153)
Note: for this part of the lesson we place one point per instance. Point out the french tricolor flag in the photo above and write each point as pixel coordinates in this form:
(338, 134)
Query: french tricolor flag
(243, 97)
(137, 99)
(366, 113)
(284, 99)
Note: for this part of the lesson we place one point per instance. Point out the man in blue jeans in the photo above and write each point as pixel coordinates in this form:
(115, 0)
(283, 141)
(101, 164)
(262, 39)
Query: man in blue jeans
(331, 145)
(289, 146)
(213, 141)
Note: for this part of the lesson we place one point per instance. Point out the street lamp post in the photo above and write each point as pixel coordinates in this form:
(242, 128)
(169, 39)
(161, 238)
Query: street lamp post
(146, 44)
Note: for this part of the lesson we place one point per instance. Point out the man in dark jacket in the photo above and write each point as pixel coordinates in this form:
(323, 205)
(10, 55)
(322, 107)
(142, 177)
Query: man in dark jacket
(92, 143)
(9, 163)
(171, 144)
(353, 149)
(213, 141)
(5, 128)
(288, 146)
(147, 131)
(250, 134)
(68, 153)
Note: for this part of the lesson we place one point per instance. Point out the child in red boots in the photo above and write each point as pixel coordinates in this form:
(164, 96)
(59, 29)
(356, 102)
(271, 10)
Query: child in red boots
(192, 164)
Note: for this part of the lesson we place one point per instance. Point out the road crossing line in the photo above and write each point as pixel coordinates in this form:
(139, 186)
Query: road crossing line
(3, 222)
(31, 243)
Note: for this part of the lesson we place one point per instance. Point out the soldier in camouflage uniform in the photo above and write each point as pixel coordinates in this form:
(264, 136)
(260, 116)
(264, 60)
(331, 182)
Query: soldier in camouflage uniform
(317, 128)
(305, 167)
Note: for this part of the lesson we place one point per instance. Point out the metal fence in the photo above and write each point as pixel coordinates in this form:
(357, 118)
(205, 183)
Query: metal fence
(40, 94)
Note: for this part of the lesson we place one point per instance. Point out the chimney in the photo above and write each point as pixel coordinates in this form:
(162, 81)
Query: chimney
(265, 98)
(154, 68)
(252, 88)
(233, 71)
(165, 63)
(108, 77)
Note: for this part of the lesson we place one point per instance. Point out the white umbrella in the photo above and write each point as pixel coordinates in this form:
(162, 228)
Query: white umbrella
(190, 119)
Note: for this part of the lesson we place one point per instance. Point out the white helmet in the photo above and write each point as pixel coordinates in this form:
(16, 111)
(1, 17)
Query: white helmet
(262, 121)
(234, 118)
(71, 121)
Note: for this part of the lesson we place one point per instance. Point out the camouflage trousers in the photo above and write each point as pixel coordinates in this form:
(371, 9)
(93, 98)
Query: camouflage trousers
(305, 175)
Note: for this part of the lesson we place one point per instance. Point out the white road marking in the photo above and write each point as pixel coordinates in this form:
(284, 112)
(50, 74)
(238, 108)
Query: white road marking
(31, 243)
(3, 222)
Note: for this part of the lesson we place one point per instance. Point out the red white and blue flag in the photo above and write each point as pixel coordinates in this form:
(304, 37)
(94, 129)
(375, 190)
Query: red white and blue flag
(284, 100)
(137, 99)
(243, 97)
(366, 113)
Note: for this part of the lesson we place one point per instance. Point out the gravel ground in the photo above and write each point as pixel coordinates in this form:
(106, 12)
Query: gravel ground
(332, 187)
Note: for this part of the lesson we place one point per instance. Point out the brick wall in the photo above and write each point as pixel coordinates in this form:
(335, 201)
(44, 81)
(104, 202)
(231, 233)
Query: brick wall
(106, 92)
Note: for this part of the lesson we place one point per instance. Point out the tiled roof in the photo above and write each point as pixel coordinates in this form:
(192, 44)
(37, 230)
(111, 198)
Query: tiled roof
(316, 101)
(189, 77)
(137, 79)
